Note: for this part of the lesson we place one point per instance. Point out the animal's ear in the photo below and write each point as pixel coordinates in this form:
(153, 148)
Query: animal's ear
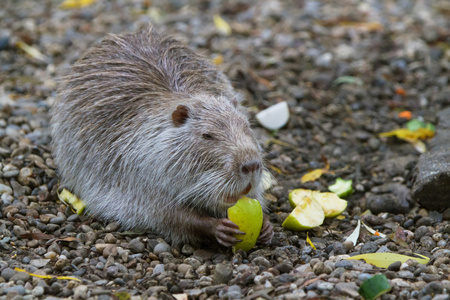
(180, 115)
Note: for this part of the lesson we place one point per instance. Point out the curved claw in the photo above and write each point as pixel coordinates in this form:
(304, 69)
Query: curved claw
(225, 231)
(266, 232)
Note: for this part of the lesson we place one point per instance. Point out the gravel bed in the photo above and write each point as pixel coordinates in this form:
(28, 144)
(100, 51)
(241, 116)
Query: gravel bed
(278, 51)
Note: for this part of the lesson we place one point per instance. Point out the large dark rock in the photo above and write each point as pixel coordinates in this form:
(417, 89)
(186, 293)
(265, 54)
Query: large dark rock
(432, 185)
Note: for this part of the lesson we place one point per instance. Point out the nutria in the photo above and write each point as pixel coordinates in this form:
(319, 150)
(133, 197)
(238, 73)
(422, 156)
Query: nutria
(151, 135)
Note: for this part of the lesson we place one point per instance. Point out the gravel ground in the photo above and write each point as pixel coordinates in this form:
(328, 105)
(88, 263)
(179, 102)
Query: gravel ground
(278, 51)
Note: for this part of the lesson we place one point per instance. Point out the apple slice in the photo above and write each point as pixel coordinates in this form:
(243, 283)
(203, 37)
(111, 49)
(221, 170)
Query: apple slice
(331, 204)
(342, 187)
(306, 215)
(247, 214)
(274, 117)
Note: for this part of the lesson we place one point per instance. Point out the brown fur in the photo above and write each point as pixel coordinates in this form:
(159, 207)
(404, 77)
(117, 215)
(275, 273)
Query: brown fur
(151, 135)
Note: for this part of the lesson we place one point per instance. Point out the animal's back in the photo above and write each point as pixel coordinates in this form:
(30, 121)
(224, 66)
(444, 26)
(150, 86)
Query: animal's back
(132, 128)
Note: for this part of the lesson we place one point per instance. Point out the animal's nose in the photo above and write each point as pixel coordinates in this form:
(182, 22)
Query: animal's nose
(250, 167)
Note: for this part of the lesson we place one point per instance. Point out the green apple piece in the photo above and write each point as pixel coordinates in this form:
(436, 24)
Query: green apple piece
(247, 214)
(297, 195)
(332, 205)
(342, 187)
(374, 287)
(306, 215)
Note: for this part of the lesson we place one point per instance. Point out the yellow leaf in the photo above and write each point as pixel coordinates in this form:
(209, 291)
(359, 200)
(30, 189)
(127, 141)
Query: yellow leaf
(222, 26)
(409, 135)
(69, 4)
(218, 60)
(47, 276)
(33, 52)
(76, 203)
(310, 242)
(276, 169)
(312, 175)
(383, 260)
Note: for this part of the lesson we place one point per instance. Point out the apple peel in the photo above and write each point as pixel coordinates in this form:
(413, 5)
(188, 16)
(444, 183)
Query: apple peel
(306, 215)
(331, 204)
(248, 215)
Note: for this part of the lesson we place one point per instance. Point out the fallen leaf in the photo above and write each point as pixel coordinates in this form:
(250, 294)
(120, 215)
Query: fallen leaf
(69, 239)
(408, 135)
(221, 25)
(276, 169)
(310, 242)
(315, 174)
(122, 295)
(33, 52)
(384, 260)
(71, 4)
(47, 276)
(355, 234)
(366, 26)
(419, 146)
(348, 79)
(218, 60)
(374, 232)
(399, 237)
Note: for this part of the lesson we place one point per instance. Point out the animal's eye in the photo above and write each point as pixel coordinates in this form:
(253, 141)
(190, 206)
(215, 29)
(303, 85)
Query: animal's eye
(207, 136)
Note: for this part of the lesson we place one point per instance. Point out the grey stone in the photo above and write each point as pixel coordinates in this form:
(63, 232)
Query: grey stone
(391, 197)
(369, 247)
(38, 291)
(19, 289)
(162, 247)
(5, 189)
(158, 269)
(432, 184)
(7, 274)
(136, 246)
(20, 276)
(223, 273)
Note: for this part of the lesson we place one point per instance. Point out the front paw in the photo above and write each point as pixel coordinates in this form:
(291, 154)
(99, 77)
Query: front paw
(266, 232)
(224, 232)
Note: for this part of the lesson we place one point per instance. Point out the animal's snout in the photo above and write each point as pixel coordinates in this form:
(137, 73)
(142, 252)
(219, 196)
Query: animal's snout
(250, 167)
